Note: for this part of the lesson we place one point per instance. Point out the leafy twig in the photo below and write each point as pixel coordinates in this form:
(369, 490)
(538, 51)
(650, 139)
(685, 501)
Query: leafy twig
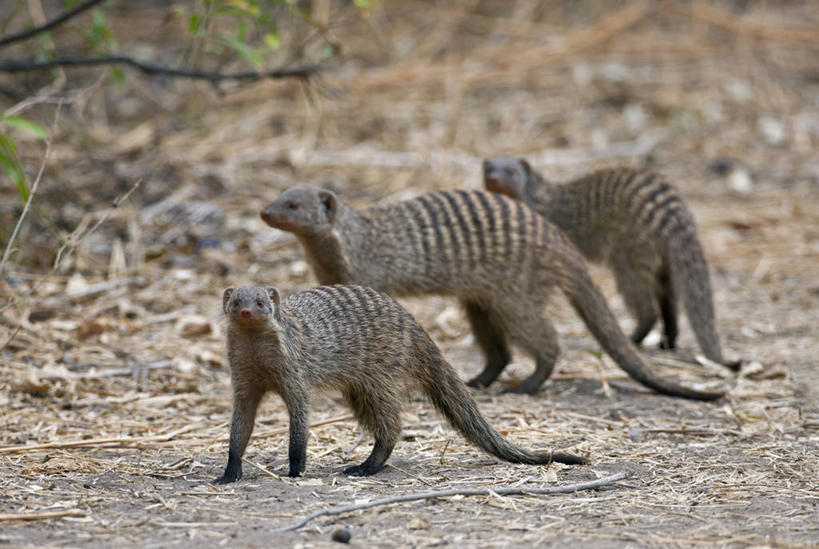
(568, 488)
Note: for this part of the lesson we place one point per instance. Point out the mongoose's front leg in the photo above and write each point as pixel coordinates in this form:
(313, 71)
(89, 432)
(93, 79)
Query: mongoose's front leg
(297, 407)
(245, 405)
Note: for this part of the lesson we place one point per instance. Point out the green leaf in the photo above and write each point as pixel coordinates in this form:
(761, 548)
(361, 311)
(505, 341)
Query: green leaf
(27, 126)
(8, 146)
(100, 36)
(118, 76)
(195, 25)
(16, 175)
(244, 50)
(272, 39)
(235, 11)
(364, 4)
(251, 8)
(241, 31)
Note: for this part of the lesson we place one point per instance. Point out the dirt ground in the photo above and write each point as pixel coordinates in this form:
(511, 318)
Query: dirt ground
(116, 356)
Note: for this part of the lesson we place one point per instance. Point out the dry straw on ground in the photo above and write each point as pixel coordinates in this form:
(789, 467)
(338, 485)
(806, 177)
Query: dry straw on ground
(113, 383)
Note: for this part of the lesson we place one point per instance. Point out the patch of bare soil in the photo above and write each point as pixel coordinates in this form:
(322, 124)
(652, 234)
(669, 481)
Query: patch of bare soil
(112, 367)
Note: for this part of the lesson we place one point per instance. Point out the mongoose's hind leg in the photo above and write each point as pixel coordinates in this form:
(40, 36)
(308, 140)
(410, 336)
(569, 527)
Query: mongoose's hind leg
(491, 340)
(668, 309)
(636, 284)
(381, 452)
(536, 334)
(379, 412)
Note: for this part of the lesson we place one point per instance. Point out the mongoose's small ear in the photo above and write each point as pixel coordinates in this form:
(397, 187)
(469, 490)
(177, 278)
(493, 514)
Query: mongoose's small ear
(226, 297)
(274, 295)
(487, 163)
(527, 169)
(330, 202)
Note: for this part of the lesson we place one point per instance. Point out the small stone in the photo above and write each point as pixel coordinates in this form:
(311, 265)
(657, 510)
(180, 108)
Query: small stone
(721, 166)
(772, 129)
(342, 535)
(418, 523)
(193, 326)
(740, 181)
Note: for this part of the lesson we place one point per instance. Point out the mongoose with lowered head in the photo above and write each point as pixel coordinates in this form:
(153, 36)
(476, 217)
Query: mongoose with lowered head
(495, 254)
(638, 224)
(355, 340)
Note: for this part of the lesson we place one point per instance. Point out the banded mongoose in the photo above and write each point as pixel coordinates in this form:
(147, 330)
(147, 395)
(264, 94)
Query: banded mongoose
(357, 341)
(496, 255)
(639, 225)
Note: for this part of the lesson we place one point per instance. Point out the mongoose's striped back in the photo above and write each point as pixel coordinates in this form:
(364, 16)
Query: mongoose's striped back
(495, 254)
(637, 223)
(601, 208)
(456, 242)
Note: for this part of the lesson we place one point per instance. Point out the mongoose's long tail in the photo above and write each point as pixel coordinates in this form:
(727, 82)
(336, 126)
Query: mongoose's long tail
(452, 399)
(690, 280)
(593, 309)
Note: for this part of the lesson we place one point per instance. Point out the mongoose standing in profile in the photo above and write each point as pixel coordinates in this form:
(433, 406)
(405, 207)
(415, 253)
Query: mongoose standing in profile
(495, 254)
(357, 341)
(638, 224)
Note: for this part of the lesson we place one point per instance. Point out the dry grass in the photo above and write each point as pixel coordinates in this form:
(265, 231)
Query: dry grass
(112, 371)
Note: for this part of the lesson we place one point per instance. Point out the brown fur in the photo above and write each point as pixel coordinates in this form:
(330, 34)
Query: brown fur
(496, 255)
(636, 223)
(354, 340)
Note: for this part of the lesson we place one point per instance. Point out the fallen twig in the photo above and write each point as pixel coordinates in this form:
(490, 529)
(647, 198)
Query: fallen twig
(42, 515)
(568, 488)
(262, 468)
(226, 437)
(94, 442)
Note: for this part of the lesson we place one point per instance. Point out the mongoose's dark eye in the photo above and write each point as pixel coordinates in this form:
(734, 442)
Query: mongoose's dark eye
(291, 206)
(235, 302)
(259, 303)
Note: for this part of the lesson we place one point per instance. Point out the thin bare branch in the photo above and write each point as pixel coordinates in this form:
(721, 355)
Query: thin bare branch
(487, 491)
(303, 71)
(48, 25)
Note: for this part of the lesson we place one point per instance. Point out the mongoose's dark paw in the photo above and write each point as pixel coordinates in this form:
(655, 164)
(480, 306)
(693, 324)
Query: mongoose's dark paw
(478, 383)
(228, 477)
(362, 470)
(295, 473)
(665, 345)
(733, 365)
